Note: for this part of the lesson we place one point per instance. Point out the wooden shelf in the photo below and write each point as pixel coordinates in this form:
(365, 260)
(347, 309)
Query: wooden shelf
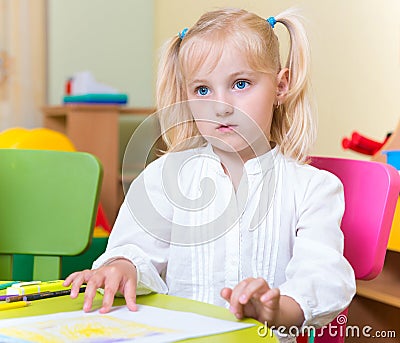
(386, 287)
(365, 312)
(379, 291)
(137, 110)
(377, 303)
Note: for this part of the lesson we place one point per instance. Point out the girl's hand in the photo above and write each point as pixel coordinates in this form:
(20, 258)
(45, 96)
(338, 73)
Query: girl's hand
(118, 276)
(254, 298)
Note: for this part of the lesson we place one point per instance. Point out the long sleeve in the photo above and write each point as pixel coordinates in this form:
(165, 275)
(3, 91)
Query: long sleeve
(141, 231)
(318, 277)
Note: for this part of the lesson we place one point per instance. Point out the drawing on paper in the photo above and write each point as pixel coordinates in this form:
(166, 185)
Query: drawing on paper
(93, 329)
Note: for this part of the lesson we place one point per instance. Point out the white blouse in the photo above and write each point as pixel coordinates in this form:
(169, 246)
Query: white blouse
(190, 234)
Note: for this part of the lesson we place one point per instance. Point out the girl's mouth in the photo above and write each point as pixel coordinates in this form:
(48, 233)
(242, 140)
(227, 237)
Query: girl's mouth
(226, 128)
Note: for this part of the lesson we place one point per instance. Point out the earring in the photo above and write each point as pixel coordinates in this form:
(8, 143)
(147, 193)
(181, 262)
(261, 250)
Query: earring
(278, 104)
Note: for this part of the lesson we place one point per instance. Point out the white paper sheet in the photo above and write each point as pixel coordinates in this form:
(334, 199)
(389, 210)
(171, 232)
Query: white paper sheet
(147, 325)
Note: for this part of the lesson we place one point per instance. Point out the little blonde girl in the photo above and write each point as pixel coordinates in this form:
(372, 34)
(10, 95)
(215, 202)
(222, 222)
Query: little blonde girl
(231, 214)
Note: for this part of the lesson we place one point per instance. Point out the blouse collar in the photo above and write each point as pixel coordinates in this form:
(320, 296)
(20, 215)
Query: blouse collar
(255, 165)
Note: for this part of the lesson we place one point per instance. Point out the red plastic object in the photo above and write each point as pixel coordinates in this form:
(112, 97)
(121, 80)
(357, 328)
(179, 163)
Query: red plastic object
(366, 142)
(349, 144)
(101, 219)
(362, 144)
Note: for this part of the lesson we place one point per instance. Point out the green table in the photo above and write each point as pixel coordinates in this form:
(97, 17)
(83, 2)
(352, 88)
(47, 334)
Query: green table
(65, 303)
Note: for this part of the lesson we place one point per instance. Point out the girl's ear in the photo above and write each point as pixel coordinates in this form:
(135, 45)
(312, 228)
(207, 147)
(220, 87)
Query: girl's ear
(283, 85)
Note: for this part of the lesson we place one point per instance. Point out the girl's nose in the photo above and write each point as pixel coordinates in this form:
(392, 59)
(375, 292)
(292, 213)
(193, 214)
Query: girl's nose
(223, 108)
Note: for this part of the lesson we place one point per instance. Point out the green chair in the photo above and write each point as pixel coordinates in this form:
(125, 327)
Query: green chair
(48, 209)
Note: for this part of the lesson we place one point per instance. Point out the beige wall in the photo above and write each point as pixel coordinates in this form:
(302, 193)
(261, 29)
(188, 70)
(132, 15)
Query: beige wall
(112, 39)
(356, 59)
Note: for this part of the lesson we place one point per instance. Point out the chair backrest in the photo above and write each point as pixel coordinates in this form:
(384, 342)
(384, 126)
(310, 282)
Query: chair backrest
(371, 191)
(49, 205)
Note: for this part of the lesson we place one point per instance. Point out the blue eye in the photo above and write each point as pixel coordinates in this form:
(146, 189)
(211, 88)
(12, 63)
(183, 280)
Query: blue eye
(241, 84)
(202, 90)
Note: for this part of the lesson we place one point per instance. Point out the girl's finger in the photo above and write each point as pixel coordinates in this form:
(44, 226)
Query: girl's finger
(90, 293)
(130, 294)
(226, 293)
(111, 287)
(253, 289)
(270, 297)
(79, 279)
(236, 306)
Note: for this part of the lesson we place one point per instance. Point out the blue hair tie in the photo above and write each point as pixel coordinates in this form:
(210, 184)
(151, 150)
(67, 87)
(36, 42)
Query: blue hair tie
(271, 21)
(182, 34)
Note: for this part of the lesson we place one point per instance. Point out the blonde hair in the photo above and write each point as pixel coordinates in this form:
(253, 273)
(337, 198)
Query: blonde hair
(293, 127)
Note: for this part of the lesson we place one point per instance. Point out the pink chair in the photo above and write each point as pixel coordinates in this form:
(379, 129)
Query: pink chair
(371, 192)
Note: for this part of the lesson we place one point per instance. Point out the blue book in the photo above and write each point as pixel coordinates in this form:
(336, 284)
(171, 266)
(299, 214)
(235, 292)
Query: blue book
(119, 99)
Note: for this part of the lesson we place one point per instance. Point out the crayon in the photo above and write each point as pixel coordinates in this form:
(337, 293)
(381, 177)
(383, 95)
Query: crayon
(48, 286)
(8, 284)
(10, 306)
(43, 295)
(35, 296)
(25, 283)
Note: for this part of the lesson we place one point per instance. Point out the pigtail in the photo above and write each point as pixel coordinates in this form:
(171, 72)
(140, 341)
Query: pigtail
(168, 86)
(295, 127)
(176, 127)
